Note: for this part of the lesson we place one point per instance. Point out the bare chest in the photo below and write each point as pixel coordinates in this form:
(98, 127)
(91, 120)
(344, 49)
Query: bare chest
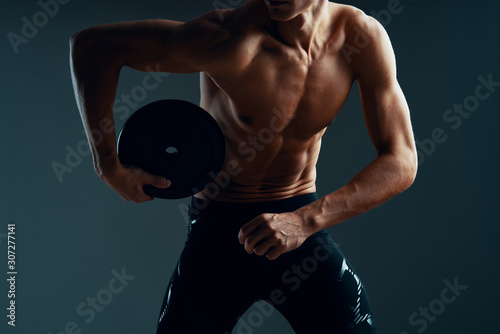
(280, 89)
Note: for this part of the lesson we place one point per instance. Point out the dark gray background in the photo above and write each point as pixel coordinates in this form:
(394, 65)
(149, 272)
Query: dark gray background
(72, 234)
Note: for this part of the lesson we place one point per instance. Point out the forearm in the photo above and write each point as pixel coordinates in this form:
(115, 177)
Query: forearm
(385, 177)
(95, 78)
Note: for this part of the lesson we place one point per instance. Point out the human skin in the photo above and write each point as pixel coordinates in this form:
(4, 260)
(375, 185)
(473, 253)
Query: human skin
(287, 68)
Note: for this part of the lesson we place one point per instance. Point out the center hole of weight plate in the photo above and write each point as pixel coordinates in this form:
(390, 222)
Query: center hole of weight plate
(171, 151)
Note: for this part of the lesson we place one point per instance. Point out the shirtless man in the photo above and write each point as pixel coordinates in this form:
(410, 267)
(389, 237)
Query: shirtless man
(263, 236)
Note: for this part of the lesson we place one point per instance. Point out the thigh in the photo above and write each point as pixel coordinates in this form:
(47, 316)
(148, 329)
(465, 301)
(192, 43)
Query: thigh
(322, 293)
(206, 293)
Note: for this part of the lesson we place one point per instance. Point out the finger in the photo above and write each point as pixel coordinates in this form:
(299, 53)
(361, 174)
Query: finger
(255, 238)
(145, 198)
(161, 182)
(273, 254)
(248, 228)
(264, 246)
(139, 195)
(125, 198)
(157, 181)
(122, 195)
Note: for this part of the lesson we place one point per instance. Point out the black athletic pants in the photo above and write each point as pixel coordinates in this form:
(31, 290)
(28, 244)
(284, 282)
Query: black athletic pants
(216, 281)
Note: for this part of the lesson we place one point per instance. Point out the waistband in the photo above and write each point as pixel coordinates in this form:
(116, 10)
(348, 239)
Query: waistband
(201, 208)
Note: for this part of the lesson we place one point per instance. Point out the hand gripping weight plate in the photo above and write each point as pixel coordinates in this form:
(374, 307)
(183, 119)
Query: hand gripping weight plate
(174, 139)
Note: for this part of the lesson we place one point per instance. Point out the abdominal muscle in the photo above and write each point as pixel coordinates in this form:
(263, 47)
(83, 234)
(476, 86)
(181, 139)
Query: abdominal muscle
(247, 187)
(260, 169)
(272, 140)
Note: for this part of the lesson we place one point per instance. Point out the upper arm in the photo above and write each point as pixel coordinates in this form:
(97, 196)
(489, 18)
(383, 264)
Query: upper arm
(384, 105)
(153, 45)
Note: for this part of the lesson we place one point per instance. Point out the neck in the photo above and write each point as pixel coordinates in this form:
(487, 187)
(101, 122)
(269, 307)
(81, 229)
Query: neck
(305, 30)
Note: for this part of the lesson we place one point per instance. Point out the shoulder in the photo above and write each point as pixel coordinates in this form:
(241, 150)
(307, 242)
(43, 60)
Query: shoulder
(366, 44)
(355, 23)
(215, 39)
(209, 26)
(219, 27)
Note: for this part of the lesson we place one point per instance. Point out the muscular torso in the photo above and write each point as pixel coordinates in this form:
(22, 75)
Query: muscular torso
(273, 104)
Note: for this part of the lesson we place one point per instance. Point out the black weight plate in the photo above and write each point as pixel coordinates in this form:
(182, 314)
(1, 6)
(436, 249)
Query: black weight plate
(175, 139)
